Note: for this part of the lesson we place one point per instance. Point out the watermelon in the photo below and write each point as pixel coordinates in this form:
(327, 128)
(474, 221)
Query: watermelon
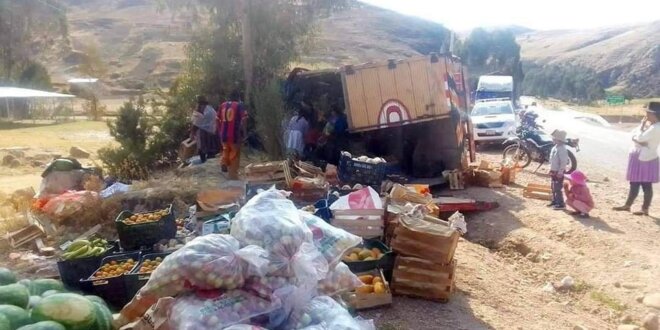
(7, 276)
(34, 300)
(25, 282)
(14, 294)
(96, 299)
(17, 316)
(103, 317)
(73, 311)
(4, 323)
(43, 325)
(39, 286)
(49, 293)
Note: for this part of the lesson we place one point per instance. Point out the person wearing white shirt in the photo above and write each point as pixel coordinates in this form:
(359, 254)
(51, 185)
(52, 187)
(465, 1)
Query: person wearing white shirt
(643, 163)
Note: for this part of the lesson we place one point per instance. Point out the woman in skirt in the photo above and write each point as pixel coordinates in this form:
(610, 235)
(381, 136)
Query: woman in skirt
(204, 129)
(643, 163)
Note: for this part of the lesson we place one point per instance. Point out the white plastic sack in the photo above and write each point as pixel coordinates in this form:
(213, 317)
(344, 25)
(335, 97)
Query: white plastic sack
(324, 313)
(115, 188)
(216, 311)
(339, 280)
(207, 262)
(331, 241)
(272, 221)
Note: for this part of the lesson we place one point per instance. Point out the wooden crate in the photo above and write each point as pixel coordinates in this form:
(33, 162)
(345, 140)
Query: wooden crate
(425, 238)
(538, 191)
(370, 300)
(270, 172)
(421, 278)
(363, 223)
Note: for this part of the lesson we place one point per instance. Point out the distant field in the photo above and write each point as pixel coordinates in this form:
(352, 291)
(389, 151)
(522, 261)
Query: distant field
(634, 108)
(90, 135)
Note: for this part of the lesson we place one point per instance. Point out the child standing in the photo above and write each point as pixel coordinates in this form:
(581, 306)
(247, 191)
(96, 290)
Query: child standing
(558, 163)
(578, 196)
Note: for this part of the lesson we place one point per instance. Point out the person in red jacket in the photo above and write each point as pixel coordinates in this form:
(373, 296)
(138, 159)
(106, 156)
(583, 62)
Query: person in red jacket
(577, 193)
(232, 121)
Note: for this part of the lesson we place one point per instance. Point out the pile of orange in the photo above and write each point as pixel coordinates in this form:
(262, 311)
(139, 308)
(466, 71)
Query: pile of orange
(114, 268)
(146, 217)
(149, 265)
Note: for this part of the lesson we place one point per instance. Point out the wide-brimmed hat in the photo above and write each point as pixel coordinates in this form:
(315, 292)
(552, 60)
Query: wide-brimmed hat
(578, 178)
(559, 135)
(653, 107)
(201, 99)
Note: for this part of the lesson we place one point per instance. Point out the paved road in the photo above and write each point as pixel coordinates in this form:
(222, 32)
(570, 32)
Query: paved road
(601, 144)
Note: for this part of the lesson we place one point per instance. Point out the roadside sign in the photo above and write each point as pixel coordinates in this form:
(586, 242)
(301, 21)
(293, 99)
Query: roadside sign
(616, 99)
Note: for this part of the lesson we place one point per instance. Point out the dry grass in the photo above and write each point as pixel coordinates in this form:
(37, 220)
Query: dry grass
(89, 135)
(608, 301)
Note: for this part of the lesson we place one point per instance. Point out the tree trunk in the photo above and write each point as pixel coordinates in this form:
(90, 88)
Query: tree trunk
(248, 53)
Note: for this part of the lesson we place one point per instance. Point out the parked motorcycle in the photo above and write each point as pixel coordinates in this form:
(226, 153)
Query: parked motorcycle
(533, 144)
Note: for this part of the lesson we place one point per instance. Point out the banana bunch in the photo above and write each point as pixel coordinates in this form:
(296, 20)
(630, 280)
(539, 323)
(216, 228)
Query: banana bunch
(84, 248)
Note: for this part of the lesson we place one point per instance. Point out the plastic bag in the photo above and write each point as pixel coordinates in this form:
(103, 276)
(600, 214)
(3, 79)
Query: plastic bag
(58, 182)
(70, 203)
(266, 286)
(271, 221)
(339, 280)
(215, 310)
(244, 327)
(325, 313)
(208, 262)
(331, 241)
(362, 199)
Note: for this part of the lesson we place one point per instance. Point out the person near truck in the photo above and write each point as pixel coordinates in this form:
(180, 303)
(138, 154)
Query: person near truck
(295, 134)
(335, 136)
(232, 118)
(204, 129)
(558, 163)
(643, 162)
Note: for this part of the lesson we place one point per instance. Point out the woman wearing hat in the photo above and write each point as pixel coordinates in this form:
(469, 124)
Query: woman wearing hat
(644, 164)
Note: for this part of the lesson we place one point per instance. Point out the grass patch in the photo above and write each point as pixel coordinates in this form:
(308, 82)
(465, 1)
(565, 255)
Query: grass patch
(582, 287)
(608, 301)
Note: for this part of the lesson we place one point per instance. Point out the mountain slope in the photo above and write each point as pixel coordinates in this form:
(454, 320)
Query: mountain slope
(626, 57)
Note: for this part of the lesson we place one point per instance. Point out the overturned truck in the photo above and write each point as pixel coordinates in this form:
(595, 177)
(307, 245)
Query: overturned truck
(411, 111)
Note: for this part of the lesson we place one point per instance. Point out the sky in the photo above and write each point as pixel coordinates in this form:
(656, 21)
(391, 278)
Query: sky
(463, 15)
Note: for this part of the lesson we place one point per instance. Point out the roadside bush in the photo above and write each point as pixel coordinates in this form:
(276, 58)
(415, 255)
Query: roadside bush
(268, 115)
(132, 130)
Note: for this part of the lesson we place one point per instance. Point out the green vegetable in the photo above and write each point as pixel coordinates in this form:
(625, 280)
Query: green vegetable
(39, 286)
(34, 300)
(43, 325)
(73, 311)
(96, 299)
(4, 323)
(7, 276)
(17, 316)
(49, 293)
(25, 282)
(103, 317)
(14, 294)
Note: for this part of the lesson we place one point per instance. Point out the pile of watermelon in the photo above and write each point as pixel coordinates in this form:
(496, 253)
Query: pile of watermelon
(44, 304)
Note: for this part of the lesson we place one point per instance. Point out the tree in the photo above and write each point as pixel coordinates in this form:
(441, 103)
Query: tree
(35, 75)
(26, 27)
(92, 66)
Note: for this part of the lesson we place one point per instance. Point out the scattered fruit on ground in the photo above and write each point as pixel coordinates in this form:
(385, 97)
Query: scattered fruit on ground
(73, 311)
(7, 276)
(14, 294)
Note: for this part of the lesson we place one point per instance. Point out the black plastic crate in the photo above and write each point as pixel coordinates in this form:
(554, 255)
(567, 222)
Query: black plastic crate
(114, 290)
(72, 271)
(136, 280)
(134, 237)
(352, 171)
(385, 262)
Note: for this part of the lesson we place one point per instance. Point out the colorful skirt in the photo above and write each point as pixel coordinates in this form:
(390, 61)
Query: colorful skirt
(639, 171)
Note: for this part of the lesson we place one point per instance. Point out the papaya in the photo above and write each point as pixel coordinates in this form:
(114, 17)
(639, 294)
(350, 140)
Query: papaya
(365, 289)
(375, 253)
(354, 257)
(366, 279)
(364, 254)
(377, 279)
(379, 287)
